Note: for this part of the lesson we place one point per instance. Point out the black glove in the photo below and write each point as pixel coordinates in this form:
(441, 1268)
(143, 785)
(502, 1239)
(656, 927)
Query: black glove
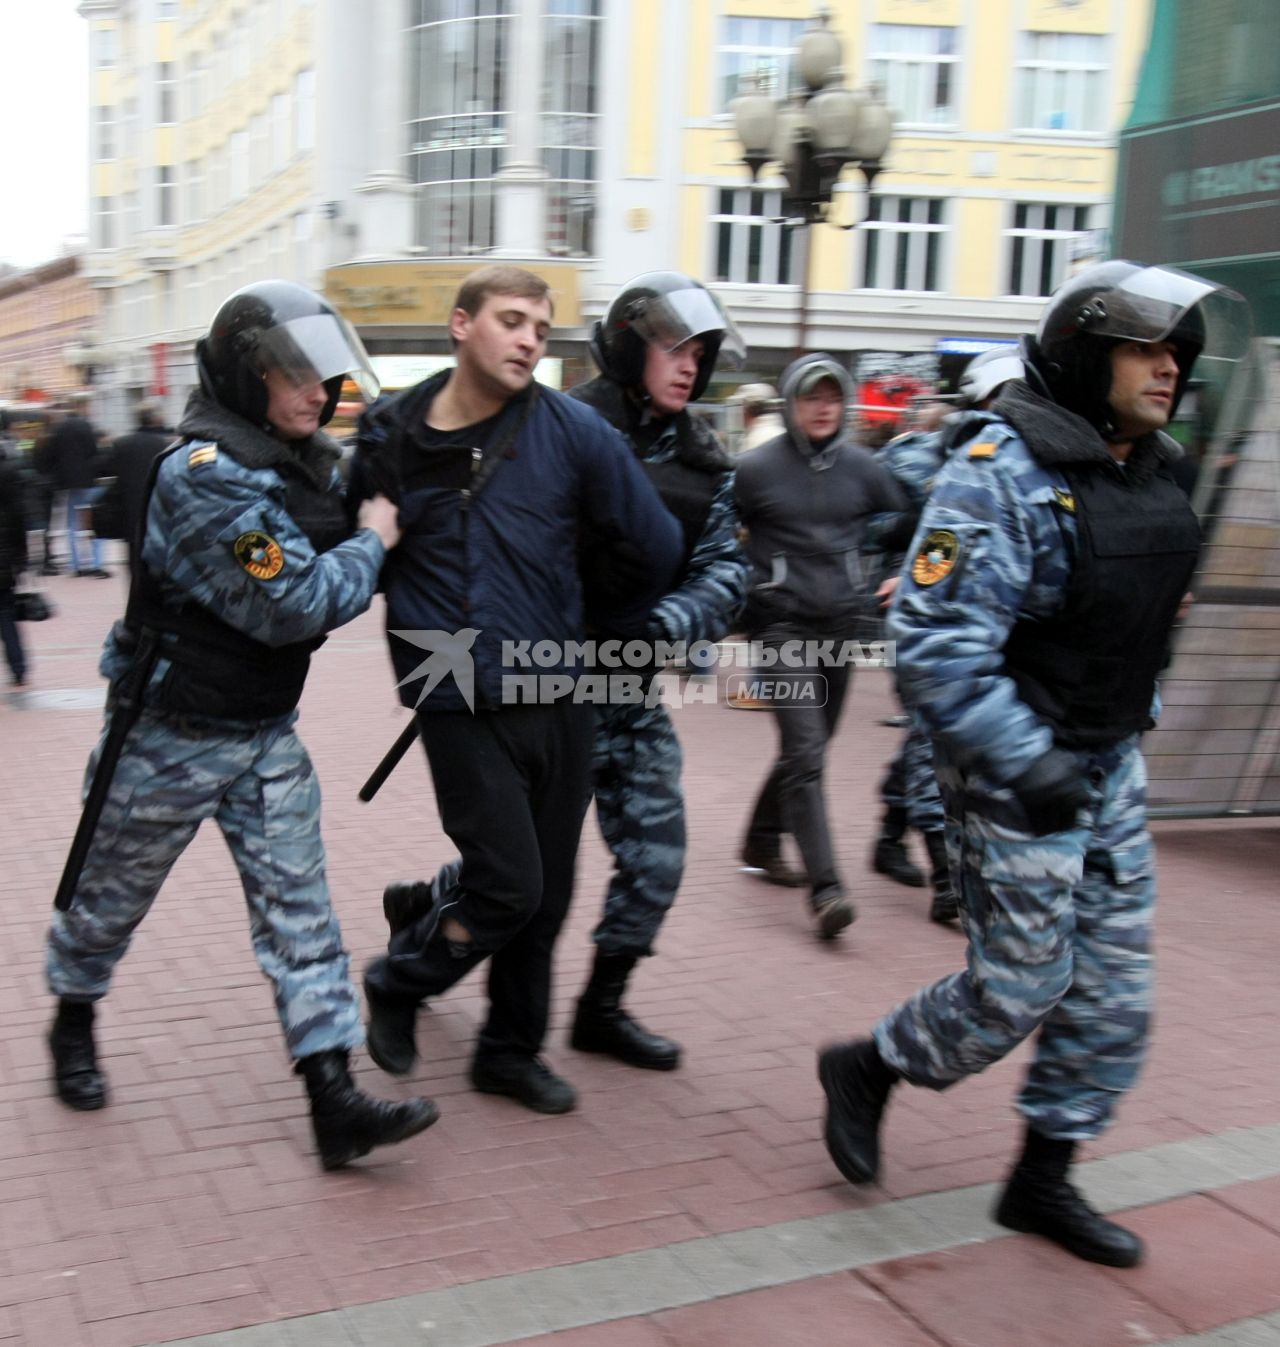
(1052, 791)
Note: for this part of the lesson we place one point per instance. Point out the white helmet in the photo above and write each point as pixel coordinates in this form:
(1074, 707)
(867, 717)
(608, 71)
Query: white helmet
(986, 372)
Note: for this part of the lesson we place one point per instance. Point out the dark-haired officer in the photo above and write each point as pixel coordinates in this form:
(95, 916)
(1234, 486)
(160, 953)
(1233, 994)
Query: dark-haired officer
(246, 561)
(1031, 620)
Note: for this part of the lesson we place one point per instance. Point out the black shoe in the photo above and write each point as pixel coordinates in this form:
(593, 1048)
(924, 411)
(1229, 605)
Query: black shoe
(601, 1025)
(50, 568)
(404, 902)
(391, 1037)
(773, 868)
(348, 1123)
(76, 1076)
(96, 573)
(857, 1083)
(1056, 1211)
(528, 1080)
(890, 858)
(833, 911)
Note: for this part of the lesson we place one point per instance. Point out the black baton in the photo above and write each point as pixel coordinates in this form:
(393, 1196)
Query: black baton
(127, 709)
(390, 761)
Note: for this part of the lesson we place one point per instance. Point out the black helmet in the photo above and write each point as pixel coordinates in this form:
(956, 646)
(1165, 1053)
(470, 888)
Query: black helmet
(279, 325)
(1121, 301)
(665, 309)
(986, 372)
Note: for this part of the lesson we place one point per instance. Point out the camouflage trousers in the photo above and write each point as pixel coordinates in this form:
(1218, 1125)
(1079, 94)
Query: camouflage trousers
(911, 781)
(640, 809)
(1059, 932)
(260, 788)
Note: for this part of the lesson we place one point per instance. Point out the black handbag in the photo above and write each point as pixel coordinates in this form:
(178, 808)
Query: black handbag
(29, 605)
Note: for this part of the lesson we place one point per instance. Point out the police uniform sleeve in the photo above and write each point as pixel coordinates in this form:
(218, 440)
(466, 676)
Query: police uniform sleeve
(714, 585)
(218, 538)
(979, 554)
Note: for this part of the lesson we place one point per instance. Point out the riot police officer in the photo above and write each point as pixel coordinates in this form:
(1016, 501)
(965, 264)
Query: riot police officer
(1031, 620)
(656, 350)
(244, 561)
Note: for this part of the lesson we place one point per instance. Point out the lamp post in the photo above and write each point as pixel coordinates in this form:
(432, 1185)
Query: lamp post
(812, 135)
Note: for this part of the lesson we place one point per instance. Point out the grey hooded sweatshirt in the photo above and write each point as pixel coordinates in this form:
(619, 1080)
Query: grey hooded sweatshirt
(805, 510)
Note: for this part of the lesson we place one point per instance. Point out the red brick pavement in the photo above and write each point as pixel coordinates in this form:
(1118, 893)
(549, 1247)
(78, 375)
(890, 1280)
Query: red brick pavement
(193, 1205)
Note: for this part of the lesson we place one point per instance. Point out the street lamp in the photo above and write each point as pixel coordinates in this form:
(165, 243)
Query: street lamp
(812, 135)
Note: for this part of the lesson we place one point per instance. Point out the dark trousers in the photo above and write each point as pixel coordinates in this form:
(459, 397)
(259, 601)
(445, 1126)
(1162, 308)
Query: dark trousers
(512, 787)
(11, 637)
(792, 798)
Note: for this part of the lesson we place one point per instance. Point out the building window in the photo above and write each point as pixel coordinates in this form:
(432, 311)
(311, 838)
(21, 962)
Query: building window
(902, 238)
(915, 65)
(104, 132)
(105, 47)
(279, 131)
(1061, 82)
(166, 93)
(763, 48)
(103, 230)
(570, 123)
(304, 111)
(302, 247)
(166, 189)
(459, 54)
(195, 189)
(166, 9)
(239, 148)
(749, 245)
(1040, 243)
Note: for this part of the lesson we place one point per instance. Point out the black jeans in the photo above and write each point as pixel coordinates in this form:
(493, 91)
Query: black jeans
(11, 636)
(512, 787)
(792, 799)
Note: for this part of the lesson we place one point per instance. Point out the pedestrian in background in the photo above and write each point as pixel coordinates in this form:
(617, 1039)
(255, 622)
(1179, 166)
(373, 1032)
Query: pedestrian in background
(129, 463)
(495, 476)
(74, 460)
(761, 421)
(13, 561)
(246, 562)
(1048, 569)
(804, 499)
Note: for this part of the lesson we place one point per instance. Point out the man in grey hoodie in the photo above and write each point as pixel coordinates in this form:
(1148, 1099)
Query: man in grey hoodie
(804, 499)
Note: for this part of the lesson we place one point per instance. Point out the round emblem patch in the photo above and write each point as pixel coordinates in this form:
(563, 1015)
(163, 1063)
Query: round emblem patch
(936, 558)
(259, 554)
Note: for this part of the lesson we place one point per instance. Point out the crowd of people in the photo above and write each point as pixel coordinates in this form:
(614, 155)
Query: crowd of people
(1031, 551)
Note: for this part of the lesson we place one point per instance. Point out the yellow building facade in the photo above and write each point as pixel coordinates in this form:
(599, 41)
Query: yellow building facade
(378, 152)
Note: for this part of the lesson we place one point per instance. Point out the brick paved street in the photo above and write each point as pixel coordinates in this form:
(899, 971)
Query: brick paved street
(696, 1209)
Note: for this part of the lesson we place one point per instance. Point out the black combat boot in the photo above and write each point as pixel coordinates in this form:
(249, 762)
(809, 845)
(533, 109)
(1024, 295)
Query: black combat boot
(890, 855)
(525, 1078)
(348, 1123)
(945, 905)
(856, 1082)
(76, 1076)
(601, 1024)
(1038, 1200)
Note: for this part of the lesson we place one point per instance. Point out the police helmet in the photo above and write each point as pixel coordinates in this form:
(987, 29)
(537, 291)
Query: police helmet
(1122, 301)
(664, 309)
(986, 372)
(279, 325)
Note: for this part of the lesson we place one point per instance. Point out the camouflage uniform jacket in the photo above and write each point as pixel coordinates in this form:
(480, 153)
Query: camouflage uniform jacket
(218, 534)
(995, 546)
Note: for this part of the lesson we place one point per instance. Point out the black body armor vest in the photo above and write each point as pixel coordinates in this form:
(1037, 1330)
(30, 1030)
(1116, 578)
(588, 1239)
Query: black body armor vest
(688, 493)
(216, 671)
(1090, 670)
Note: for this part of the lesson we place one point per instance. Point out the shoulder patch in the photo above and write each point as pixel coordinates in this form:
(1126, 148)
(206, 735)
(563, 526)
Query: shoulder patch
(936, 558)
(206, 453)
(983, 449)
(259, 554)
(1065, 499)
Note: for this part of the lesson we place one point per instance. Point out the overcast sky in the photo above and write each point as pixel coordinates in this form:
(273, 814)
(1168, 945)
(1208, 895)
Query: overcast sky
(44, 173)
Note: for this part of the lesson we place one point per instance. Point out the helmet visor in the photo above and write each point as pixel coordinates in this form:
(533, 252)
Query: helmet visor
(317, 348)
(674, 318)
(1165, 304)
